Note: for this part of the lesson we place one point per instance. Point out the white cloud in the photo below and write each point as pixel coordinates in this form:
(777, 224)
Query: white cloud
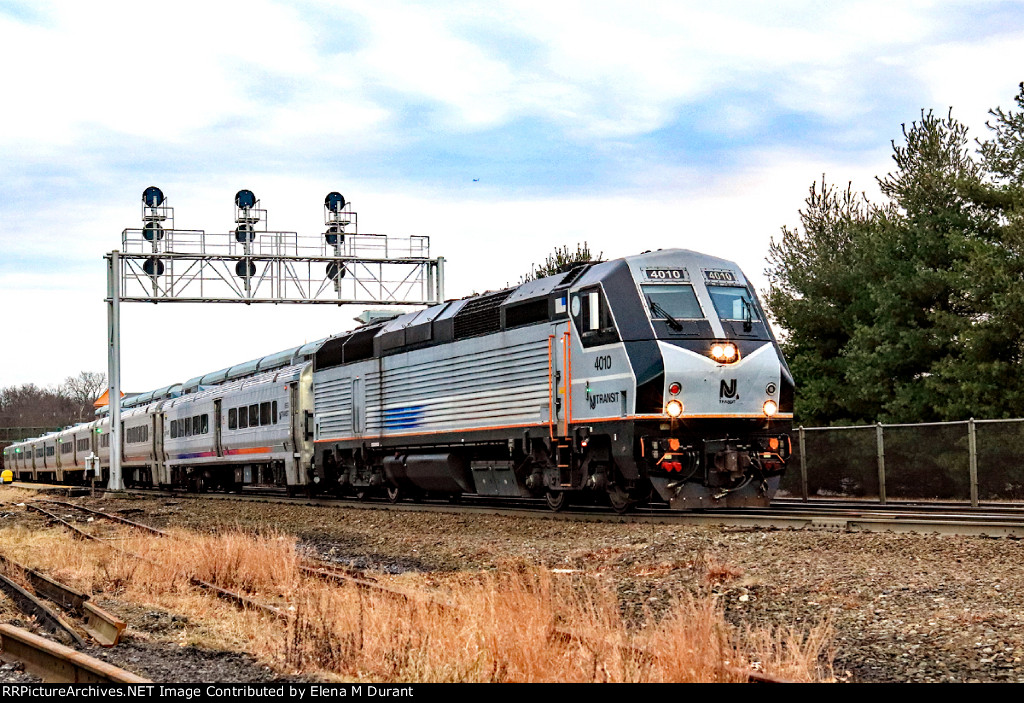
(197, 75)
(972, 77)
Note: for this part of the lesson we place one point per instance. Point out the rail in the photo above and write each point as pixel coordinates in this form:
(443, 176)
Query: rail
(102, 626)
(55, 663)
(236, 598)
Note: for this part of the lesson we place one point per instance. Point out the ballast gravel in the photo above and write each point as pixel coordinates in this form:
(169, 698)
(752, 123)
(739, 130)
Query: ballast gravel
(902, 607)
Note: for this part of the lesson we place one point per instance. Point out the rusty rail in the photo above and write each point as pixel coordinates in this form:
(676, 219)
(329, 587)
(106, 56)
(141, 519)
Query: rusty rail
(78, 533)
(236, 598)
(44, 615)
(107, 516)
(102, 626)
(55, 663)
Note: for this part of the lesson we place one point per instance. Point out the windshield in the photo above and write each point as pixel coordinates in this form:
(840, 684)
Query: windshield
(733, 303)
(678, 302)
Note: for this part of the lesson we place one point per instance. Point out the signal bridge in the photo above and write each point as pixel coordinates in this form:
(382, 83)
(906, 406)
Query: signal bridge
(158, 263)
(252, 264)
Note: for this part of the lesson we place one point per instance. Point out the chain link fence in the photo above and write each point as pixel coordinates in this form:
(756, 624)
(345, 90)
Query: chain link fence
(973, 460)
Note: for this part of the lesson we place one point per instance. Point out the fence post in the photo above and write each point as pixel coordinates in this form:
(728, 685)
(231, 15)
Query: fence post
(881, 463)
(972, 446)
(803, 464)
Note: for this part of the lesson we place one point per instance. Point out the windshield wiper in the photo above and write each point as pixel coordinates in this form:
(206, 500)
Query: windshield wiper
(748, 315)
(658, 310)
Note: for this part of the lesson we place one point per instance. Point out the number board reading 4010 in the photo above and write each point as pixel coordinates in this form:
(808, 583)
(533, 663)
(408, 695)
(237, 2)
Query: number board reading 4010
(714, 276)
(665, 274)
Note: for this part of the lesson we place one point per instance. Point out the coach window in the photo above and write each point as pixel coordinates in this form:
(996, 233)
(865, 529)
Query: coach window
(254, 415)
(593, 318)
(233, 419)
(273, 412)
(264, 413)
(243, 417)
(206, 423)
(196, 427)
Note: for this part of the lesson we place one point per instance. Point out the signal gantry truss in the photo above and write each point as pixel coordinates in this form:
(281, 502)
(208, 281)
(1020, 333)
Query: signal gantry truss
(250, 264)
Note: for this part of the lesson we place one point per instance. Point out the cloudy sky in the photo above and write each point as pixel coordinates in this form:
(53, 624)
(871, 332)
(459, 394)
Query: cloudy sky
(499, 129)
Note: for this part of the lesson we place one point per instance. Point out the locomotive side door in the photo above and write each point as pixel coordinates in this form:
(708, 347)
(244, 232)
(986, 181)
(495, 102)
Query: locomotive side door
(559, 378)
(358, 406)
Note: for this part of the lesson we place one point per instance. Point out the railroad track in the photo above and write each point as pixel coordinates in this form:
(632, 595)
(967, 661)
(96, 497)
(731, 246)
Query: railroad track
(55, 663)
(989, 520)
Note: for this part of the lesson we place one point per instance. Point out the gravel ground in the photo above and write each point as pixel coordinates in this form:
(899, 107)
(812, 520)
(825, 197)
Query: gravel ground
(902, 607)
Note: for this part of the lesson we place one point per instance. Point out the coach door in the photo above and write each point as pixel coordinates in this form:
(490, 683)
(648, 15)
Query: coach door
(218, 428)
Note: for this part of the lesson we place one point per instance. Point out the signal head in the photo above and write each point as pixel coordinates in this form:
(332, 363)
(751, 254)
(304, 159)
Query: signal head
(245, 269)
(245, 199)
(153, 197)
(335, 201)
(153, 266)
(153, 230)
(244, 233)
(335, 272)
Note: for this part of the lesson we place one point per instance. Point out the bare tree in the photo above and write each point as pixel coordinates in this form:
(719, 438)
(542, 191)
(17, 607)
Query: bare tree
(32, 406)
(83, 390)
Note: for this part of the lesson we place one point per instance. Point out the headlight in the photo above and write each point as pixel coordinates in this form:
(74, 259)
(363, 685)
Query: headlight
(770, 407)
(674, 408)
(725, 353)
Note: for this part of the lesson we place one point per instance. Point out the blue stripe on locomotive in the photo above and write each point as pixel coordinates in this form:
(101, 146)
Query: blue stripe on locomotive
(403, 418)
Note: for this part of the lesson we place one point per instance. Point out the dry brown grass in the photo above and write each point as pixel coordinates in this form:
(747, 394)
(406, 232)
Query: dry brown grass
(521, 623)
(16, 494)
(717, 572)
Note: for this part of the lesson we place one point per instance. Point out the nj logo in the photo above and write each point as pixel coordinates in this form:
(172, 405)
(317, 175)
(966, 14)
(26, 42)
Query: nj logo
(727, 391)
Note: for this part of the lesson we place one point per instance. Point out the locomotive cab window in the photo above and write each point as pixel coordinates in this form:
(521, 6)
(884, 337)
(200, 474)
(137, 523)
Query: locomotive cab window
(593, 317)
(678, 302)
(733, 303)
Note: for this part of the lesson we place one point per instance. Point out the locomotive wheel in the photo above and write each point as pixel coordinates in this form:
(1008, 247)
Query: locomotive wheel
(557, 500)
(620, 499)
(394, 494)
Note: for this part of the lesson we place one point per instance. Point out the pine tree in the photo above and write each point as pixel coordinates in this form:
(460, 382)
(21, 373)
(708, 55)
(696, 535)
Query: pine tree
(561, 260)
(911, 310)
